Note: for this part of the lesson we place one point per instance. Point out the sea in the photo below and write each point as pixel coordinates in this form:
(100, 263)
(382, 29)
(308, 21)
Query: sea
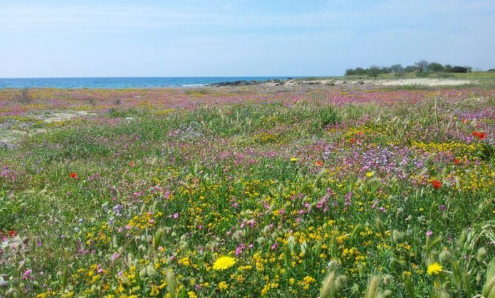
(122, 83)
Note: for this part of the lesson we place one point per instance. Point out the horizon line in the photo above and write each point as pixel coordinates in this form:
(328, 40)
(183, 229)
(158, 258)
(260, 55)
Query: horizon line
(137, 77)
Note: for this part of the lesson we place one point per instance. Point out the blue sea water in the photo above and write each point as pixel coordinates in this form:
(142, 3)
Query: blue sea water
(118, 83)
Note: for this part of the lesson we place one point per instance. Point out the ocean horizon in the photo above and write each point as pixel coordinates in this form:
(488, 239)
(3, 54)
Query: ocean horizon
(124, 82)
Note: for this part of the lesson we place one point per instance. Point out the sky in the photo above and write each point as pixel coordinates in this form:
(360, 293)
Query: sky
(146, 38)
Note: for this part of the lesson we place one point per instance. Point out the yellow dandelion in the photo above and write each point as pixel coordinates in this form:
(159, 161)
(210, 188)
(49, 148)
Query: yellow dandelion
(370, 174)
(434, 268)
(294, 159)
(223, 263)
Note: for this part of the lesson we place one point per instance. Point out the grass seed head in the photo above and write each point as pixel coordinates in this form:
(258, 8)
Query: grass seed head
(328, 288)
(373, 290)
(480, 256)
(445, 256)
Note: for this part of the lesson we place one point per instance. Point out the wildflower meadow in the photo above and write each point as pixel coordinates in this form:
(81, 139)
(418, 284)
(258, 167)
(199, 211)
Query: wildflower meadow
(300, 191)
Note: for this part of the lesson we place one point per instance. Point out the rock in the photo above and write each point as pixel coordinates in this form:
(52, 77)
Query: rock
(235, 83)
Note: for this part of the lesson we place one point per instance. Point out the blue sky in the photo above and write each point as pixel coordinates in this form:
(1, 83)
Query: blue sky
(88, 38)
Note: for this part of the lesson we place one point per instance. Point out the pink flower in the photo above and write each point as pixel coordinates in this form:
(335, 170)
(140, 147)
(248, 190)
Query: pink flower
(251, 223)
(27, 274)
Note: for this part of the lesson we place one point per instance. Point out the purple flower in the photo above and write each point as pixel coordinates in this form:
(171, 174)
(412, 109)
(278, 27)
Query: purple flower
(117, 209)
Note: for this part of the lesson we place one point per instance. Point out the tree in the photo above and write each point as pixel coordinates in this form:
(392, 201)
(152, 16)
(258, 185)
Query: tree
(410, 68)
(349, 72)
(436, 67)
(397, 69)
(422, 66)
(385, 69)
(459, 69)
(374, 71)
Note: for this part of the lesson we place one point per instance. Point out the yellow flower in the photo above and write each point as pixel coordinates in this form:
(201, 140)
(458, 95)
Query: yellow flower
(223, 263)
(370, 174)
(434, 268)
(294, 159)
(223, 285)
(184, 261)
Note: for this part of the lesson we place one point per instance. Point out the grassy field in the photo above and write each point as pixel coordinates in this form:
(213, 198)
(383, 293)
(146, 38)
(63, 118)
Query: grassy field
(349, 191)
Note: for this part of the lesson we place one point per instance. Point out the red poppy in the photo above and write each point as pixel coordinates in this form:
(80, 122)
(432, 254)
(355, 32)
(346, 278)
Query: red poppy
(436, 184)
(73, 175)
(480, 135)
(457, 161)
(319, 163)
(12, 233)
(353, 140)
(132, 164)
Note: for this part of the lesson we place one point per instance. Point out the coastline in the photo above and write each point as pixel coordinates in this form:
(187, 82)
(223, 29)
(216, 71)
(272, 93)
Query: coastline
(430, 82)
(219, 82)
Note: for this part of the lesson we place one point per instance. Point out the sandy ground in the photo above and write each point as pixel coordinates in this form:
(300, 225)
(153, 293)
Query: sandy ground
(60, 117)
(397, 82)
(8, 136)
(427, 82)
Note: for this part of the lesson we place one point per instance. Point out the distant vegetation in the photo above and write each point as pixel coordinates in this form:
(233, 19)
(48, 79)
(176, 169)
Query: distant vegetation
(421, 68)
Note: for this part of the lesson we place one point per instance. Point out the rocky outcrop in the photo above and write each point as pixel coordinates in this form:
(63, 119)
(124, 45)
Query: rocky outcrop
(277, 82)
(235, 83)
